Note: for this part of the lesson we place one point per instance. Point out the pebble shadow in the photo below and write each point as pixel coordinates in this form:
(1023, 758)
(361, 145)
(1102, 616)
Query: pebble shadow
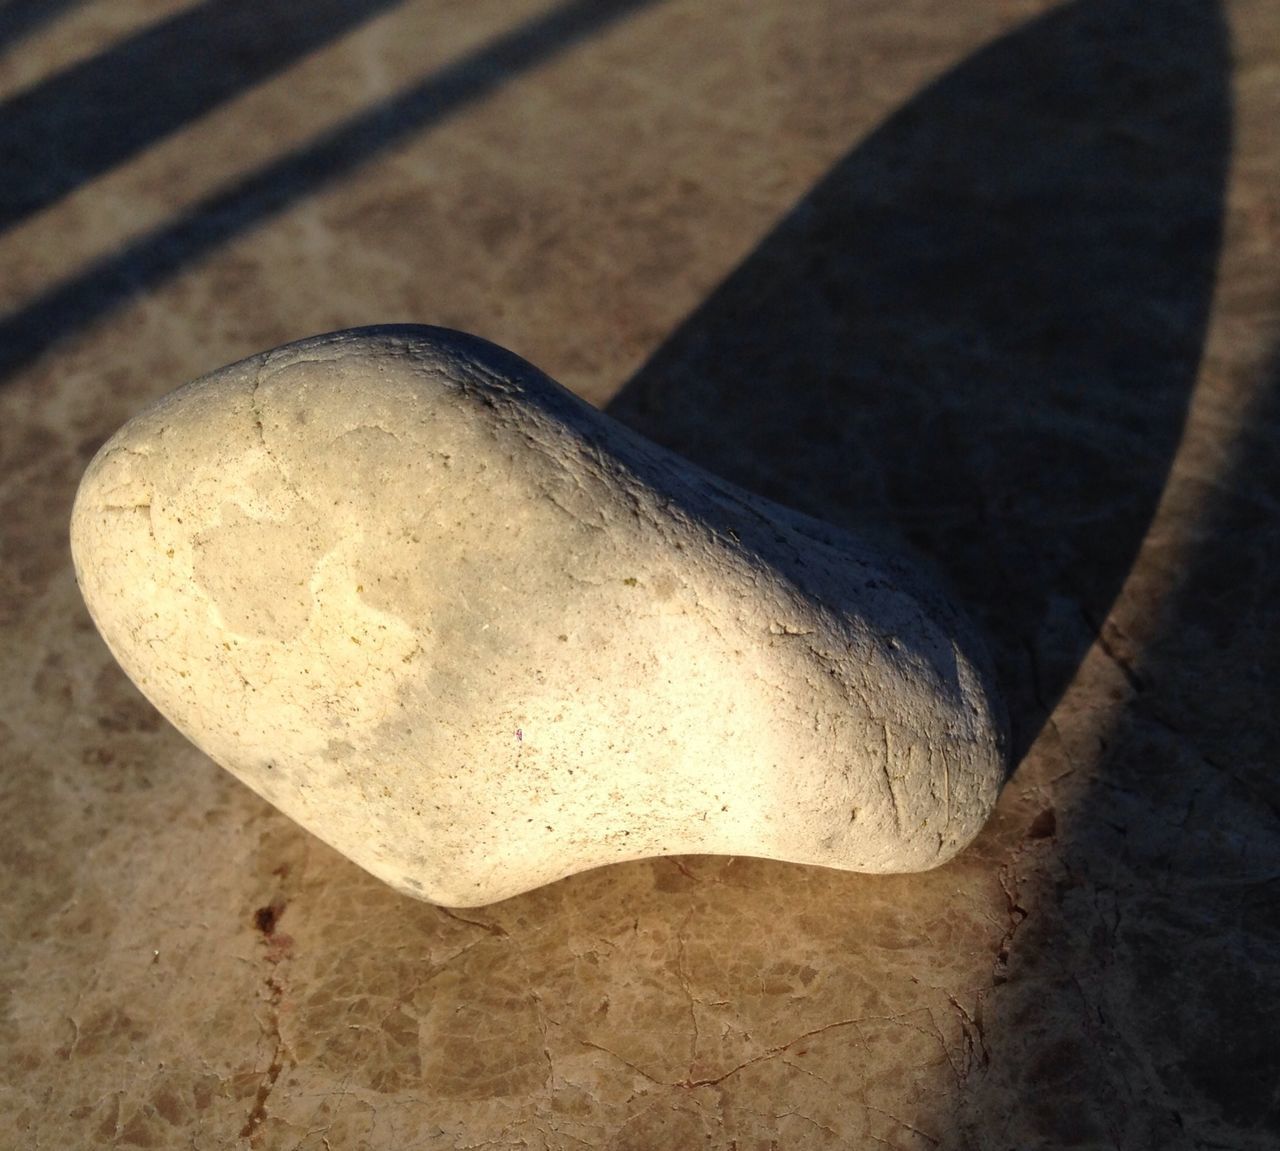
(978, 334)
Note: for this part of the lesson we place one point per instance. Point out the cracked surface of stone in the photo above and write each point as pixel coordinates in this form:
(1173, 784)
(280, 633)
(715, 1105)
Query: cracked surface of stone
(999, 279)
(478, 636)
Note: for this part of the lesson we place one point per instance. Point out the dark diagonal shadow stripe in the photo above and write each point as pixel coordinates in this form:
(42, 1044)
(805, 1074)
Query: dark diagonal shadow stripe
(334, 155)
(19, 18)
(97, 114)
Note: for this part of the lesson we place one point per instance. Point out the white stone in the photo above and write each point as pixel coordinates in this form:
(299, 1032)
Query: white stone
(478, 636)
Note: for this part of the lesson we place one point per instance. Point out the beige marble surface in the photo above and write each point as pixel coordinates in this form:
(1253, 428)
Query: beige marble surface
(998, 279)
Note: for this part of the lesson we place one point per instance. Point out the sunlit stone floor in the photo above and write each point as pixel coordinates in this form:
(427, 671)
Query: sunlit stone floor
(999, 281)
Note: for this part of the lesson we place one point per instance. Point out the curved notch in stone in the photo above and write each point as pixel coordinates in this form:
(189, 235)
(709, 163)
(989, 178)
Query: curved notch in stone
(478, 637)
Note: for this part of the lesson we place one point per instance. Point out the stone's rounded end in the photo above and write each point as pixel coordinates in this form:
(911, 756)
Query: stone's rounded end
(478, 636)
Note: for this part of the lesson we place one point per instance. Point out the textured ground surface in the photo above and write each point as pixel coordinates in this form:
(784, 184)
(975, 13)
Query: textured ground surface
(1000, 280)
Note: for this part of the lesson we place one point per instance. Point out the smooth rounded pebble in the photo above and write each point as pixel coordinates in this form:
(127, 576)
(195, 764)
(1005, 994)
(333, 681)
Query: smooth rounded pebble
(478, 636)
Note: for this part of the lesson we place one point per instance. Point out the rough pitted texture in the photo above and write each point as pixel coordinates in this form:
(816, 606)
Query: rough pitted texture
(1002, 277)
(478, 636)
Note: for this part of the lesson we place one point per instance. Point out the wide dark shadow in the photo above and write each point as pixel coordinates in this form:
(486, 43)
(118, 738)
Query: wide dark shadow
(1201, 744)
(980, 330)
(95, 115)
(1150, 957)
(332, 156)
(19, 18)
